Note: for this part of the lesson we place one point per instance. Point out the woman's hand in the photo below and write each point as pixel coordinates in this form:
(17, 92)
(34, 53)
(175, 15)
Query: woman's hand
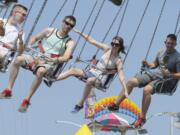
(166, 73)
(2, 31)
(126, 93)
(76, 30)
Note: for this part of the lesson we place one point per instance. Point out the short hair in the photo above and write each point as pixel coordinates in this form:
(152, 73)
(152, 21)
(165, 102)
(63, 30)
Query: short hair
(19, 5)
(121, 44)
(172, 36)
(71, 18)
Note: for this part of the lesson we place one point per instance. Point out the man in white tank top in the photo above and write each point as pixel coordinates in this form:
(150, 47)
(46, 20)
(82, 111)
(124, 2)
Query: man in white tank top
(11, 36)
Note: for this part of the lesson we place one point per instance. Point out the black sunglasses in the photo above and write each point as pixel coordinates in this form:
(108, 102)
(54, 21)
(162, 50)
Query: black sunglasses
(69, 24)
(115, 44)
(169, 43)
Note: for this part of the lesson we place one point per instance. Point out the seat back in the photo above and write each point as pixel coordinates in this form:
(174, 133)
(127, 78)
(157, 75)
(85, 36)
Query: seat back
(51, 74)
(7, 60)
(166, 86)
(105, 83)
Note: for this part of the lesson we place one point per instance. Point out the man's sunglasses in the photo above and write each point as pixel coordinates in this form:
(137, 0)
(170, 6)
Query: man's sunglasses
(23, 14)
(69, 24)
(169, 43)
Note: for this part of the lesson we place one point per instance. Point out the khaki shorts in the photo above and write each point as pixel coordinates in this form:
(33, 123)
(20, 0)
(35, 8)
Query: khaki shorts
(30, 60)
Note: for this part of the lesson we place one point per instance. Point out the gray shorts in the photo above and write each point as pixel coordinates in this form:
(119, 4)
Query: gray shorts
(143, 79)
(167, 87)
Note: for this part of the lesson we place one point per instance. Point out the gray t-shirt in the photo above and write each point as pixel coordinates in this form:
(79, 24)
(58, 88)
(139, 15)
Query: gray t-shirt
(170, 61)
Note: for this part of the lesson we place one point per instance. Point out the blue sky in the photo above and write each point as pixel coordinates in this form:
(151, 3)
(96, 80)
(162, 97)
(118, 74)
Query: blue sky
(55, 103)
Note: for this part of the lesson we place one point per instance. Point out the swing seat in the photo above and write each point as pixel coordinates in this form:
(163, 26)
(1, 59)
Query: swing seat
(103, 86)
(116, 2)
(7, 60)
(166, 86)
(52, 74)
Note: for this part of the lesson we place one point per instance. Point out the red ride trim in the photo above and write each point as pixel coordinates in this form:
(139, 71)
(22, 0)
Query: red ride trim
(30, 65)
(55, 55)
(40, 46)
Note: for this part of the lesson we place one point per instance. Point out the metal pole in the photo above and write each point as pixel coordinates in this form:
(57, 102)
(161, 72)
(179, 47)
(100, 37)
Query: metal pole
(93, 129)
(123, 133)
(68, 122)
(136, 132)
(172, 122)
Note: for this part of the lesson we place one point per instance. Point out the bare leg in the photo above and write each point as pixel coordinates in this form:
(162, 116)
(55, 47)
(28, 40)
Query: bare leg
(145, 106)
(130, 85)
(36, 82)
(14, 71)
(146, 99)
(88, 88)
(71, 72)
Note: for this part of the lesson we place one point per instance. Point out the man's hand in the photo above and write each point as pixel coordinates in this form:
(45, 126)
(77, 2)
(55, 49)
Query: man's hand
(54, 60)
(145, 63)
(166, 73)
(20, 34)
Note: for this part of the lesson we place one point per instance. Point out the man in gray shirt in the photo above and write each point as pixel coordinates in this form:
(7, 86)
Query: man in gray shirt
(160, 76)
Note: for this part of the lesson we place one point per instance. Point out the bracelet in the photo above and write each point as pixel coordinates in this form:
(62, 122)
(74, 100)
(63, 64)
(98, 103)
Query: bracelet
(56, 61)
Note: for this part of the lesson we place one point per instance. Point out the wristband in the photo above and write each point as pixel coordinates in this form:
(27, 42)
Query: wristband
(56, 60)
(171, 75)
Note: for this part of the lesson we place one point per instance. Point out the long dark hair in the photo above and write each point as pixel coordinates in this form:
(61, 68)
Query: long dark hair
(121, 44)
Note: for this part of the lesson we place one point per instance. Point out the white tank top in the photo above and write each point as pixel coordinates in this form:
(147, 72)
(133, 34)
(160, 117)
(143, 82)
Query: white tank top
(11, 35)
(105, 63)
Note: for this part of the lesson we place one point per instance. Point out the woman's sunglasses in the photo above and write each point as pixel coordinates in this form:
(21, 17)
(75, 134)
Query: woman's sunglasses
(115, 44)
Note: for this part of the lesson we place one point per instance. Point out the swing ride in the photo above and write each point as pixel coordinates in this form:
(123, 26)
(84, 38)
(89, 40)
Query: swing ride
(100, 119)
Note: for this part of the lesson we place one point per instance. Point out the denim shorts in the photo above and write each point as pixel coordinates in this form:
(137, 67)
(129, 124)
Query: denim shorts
(88, 74)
